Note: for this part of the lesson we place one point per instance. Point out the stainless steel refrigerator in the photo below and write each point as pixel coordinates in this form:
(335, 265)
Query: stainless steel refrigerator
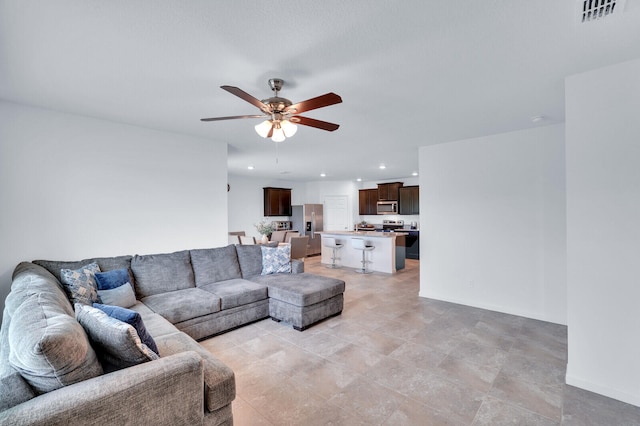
(307, 220)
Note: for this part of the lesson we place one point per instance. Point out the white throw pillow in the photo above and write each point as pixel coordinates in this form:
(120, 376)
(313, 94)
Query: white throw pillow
(276, 259)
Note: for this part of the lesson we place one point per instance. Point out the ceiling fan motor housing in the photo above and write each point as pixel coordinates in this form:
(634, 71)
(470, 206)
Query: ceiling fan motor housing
(277, 105)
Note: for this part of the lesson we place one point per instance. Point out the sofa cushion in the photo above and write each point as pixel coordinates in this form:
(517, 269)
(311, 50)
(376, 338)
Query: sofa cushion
(122, 296)
(219, 380)
(132, 318)
(250, 260)
(276, 260)
(181, 305)
(117, 342)
(35, 278)
(14, 390)
(112, 279)
(105, 264)
(49, 348)
(214, 265)
(236, 292)
(156, 324)
(80, 283)
(161, 273)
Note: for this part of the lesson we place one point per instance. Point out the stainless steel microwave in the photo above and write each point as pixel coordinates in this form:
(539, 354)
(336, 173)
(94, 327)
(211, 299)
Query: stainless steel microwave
(387, 207)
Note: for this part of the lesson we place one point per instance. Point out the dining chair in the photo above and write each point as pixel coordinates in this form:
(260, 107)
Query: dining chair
(278, 236)
(299, 247)
(247, 240)
(291, 234)
(234, 237)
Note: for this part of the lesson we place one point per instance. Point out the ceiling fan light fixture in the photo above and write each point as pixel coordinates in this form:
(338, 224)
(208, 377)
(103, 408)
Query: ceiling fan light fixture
(288, 128)
(263, 128)
(278, 134)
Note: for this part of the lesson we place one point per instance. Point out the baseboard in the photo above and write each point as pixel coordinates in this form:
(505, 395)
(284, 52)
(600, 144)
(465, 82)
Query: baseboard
(633, 399)
(501, 309)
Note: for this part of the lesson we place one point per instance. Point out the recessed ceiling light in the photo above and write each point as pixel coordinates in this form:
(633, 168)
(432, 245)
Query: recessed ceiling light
(359, 179)
(382, 167)
(414, 174)
(250, 167)
(323, 174)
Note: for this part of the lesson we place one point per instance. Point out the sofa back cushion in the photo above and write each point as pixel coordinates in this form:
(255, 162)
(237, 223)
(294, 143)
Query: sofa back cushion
(215, 264)
(47, 346)
(160, 273)
(105, 264)
(250, 259)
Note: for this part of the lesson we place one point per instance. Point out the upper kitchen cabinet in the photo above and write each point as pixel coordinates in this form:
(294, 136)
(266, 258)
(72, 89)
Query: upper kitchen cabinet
(368, 201)
(277, 201)
(409, 202)
(389, 191)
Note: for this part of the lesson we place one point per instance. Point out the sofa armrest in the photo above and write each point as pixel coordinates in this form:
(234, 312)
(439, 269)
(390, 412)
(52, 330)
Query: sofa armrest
(297, 266)
(167, 391)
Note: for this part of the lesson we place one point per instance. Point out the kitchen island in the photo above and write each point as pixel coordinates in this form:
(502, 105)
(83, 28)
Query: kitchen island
(388, 256)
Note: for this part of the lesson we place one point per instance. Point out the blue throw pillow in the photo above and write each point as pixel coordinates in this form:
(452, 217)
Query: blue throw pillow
(132, 318)
(112, 279)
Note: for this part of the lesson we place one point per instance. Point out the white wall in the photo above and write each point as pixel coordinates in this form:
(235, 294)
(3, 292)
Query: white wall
(74, 187)
(603, 230)
(492, 219)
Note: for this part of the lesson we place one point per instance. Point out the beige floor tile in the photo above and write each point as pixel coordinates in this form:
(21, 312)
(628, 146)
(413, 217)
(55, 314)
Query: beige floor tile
(495, 412)
(477, 376)
(245, 415)
(325, 378)
(412, 413)
(369, 400)
(542, 399)
(393, 358)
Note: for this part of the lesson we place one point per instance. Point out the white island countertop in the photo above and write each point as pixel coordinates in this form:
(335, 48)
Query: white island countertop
(388, 255)
(368, 234)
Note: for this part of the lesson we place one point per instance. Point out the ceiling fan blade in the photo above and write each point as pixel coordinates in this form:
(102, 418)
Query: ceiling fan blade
(312, 122)
(247, 97)
(315, 103)
(233, 117)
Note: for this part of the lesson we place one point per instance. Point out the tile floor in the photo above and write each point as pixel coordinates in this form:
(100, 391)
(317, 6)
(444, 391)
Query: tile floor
(393, 358)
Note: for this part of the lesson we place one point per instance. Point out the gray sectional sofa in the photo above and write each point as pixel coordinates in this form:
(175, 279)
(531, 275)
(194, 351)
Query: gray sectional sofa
(52, 371)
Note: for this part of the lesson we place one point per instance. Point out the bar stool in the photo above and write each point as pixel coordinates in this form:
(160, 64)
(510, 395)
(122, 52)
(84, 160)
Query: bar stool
(361, 244)
(331, 243)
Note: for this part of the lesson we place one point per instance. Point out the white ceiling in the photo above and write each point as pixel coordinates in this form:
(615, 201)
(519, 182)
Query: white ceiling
(410, 73)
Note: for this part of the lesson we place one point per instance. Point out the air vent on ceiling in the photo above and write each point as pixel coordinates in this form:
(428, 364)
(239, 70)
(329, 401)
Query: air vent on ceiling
(591, 10)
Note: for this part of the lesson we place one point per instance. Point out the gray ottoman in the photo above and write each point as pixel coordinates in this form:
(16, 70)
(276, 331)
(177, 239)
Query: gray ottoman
(302, 299)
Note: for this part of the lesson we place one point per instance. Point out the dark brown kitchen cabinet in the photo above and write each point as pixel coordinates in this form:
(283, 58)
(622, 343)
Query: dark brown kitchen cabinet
(368, 201)
(389, 191)
(277, 201)
(409, 202)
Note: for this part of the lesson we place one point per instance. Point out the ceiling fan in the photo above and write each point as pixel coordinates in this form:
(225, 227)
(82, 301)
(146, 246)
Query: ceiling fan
(281, 114)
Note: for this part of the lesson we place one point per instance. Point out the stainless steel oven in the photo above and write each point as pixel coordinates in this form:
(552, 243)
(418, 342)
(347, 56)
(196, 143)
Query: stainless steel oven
(387, 207)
